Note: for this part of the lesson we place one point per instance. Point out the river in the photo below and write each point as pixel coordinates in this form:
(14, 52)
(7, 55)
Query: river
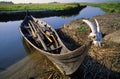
(12, 47)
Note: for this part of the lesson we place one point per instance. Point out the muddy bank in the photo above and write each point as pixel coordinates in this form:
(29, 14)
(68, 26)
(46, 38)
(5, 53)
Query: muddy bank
(19, 15)
(103, 62)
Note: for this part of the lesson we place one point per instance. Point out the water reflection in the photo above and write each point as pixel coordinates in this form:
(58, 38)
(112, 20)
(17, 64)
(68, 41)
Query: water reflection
(11, 48)
(85, 12)
(4, 17)
(35, 65)
(88, 12)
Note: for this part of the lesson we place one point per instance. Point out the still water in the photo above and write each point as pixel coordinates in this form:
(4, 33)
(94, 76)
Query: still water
(12, 48)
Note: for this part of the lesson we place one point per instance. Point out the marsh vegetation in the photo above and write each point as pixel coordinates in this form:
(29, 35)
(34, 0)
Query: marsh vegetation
(107, 6)
(33, 7)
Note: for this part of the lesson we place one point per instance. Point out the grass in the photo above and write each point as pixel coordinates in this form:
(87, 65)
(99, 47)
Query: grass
(108, 6)
(23, 7)
(82, 29)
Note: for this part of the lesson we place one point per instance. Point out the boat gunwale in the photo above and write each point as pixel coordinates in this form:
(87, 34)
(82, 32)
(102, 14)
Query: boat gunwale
(48, 53)
(56, 58)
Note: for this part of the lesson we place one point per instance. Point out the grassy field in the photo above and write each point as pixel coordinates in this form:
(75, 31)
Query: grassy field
(108, 6)
(22, 7)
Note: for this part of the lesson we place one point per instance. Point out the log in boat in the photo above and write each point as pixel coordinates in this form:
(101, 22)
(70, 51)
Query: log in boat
(45, 39)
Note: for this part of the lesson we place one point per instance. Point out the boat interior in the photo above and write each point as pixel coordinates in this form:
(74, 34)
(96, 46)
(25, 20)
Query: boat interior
(41, 35)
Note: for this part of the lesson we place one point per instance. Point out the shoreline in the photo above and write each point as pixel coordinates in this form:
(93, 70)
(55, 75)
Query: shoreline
(19, 15)
(100, 63)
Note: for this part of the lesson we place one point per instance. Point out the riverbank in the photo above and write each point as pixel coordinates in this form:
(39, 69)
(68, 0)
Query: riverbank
(107, 6)
(103, 62)
(38, 7)
(100, 63)
(54, 10)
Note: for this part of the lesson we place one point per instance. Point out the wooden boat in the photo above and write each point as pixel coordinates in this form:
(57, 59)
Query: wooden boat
(35, 31)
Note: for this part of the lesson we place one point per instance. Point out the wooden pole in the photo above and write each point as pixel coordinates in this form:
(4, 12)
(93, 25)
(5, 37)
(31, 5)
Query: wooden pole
(39, 38)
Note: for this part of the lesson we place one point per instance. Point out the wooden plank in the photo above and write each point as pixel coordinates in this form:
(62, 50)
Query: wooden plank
(47, 36)
(32, 31)
(41, 41)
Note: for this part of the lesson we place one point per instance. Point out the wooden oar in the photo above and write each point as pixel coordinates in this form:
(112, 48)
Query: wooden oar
(39, 38)
(32, 31)
(47, 36)
(55, 40)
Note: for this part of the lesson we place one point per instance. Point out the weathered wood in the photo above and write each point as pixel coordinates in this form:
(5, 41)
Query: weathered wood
(32, 31)
(65, 60)
(38, 36)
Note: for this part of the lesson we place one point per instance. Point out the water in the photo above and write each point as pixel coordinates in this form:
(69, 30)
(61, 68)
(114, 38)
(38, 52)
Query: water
(12, 48)
(87, 12)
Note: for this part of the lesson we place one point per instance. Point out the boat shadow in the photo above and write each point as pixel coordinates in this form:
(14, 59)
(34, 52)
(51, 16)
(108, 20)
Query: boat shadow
(34, 66)
(92, 69)
(69, 42)
(45, 67)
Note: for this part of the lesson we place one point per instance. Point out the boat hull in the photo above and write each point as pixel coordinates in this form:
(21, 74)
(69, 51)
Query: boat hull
(67, 61)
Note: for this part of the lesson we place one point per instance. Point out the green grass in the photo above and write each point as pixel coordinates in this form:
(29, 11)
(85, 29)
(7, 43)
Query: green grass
(23, 7)
(108, 6)
(82, 29)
